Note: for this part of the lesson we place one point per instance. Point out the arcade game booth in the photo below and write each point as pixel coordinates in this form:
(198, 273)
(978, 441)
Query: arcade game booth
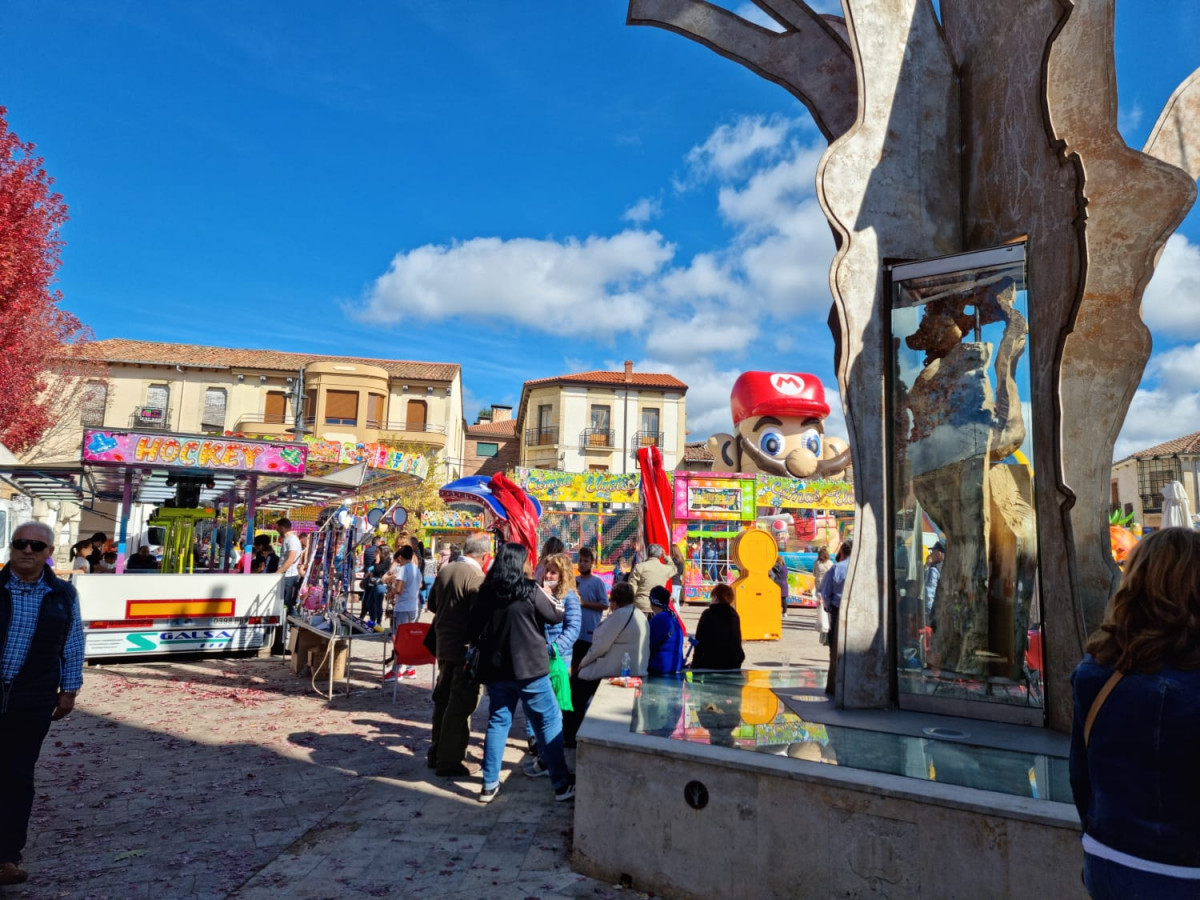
(190, 479)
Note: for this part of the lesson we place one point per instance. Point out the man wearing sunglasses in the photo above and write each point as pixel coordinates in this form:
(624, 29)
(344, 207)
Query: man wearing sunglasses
(41, 670)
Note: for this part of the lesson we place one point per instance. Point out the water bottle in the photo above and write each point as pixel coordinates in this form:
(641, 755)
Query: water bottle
(625, 665)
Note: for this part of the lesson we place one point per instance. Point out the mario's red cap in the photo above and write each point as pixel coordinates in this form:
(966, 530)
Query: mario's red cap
(778, 394)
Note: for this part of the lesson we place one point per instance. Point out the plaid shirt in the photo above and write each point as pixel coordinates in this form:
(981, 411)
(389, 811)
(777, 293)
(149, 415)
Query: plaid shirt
(27, 602)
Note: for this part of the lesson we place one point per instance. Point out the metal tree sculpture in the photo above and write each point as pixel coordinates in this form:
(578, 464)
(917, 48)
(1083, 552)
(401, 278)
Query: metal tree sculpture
(998, 123)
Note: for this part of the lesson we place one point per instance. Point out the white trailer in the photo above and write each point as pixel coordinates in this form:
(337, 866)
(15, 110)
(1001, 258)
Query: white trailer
(218, 612)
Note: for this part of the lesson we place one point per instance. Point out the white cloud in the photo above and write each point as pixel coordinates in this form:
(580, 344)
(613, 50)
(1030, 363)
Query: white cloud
(705, 278)
(1177, 370)
(643, 211)
(536, 283)
(1155, 416)
(704, 333)
(1167, 405)
(1171, 304)
(746, 301)
(727, 152)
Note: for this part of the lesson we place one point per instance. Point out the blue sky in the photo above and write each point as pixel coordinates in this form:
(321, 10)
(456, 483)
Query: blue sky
(526, 189)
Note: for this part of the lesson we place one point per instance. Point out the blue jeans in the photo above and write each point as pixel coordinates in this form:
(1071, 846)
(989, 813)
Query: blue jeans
(1107, 880)
(541, 708)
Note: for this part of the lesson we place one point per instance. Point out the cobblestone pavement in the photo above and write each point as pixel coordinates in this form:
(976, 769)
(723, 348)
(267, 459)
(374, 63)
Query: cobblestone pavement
(232, 778)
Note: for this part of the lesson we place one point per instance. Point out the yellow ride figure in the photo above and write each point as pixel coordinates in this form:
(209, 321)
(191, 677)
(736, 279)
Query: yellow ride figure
(756, 595)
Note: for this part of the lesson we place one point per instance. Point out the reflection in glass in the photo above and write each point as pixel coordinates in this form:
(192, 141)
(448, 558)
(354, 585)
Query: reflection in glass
(965, 555)
(768, 712)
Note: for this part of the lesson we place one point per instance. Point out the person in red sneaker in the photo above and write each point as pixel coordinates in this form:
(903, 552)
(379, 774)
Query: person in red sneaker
(41, 671)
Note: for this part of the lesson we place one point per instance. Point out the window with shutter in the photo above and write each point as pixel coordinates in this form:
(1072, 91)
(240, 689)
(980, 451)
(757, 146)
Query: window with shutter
(214, 409)
(275, 412)
(415, 419)
(95, 401)
(154, 413)
(341, 408)
(375, 414)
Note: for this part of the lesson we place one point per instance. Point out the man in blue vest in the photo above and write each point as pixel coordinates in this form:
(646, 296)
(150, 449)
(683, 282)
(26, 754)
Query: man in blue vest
(41, 671)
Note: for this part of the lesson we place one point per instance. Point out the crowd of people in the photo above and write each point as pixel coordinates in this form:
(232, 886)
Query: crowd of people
(504, 627)
(513, 632)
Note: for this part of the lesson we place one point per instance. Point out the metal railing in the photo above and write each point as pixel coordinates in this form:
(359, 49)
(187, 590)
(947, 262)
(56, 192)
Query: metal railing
(267, 418)
(155, 417)
(426, 427)
(646, 439)
(597, 437)
(541, 437)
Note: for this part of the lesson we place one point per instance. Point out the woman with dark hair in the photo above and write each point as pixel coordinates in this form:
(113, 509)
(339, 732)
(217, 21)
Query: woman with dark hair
(79, 559)
(1137, 727)
(374, 586)
(508, 620)
(719, 633)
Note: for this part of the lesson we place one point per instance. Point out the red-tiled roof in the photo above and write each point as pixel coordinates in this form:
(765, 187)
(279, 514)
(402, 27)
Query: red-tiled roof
(116, 350)
(1188, 445)
(697, 452)
(636, 380)
(507, 428)
(641, 380)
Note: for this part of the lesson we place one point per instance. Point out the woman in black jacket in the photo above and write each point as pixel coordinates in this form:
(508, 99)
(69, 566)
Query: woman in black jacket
(719, 633)
(508, 617)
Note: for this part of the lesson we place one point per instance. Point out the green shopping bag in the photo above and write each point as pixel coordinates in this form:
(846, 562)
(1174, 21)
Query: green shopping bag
(560, 680)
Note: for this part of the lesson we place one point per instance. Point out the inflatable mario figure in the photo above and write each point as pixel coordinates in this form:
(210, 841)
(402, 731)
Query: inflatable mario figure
(778, 419)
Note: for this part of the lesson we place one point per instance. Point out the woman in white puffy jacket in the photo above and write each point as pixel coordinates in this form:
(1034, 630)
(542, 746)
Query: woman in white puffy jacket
(624, 630)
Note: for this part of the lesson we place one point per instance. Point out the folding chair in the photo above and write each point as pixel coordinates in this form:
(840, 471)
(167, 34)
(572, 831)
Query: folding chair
(408, 647)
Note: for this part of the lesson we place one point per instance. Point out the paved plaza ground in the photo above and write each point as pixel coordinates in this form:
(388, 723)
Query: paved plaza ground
(232, 778)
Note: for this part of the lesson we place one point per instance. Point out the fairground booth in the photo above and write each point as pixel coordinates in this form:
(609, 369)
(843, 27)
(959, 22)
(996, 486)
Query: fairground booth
(191, 600)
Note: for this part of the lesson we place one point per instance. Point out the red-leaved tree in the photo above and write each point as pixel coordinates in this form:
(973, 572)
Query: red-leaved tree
(39, 341)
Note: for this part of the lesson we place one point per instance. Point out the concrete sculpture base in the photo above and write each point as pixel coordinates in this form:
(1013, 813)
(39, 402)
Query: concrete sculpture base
(779, 827)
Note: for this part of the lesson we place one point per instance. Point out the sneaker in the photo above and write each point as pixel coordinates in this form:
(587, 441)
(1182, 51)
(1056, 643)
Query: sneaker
(487, 795)
(391, 675)
(567, 791)
(410, 672)
(458, 771)
(535, 769)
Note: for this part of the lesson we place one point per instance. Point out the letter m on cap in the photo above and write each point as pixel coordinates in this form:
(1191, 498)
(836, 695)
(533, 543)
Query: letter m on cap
(787, 384)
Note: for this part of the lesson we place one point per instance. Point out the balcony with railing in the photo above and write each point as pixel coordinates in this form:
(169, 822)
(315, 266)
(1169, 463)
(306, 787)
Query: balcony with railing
(271, 424)
(597, 439)
(153, 418)
(645, 439)
(546, 436)
(408, 431)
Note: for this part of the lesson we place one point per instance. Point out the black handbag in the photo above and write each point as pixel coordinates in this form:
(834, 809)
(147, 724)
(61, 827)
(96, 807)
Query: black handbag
(471, 666)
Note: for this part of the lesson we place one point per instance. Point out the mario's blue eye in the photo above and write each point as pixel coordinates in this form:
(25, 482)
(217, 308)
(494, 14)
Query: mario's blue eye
(770, 442)
(810, 440)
